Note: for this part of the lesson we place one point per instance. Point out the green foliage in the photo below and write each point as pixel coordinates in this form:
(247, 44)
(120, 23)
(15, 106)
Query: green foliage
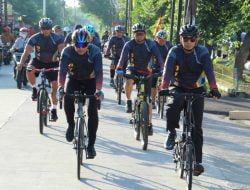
(148, 12)
(103, 9)
(33, 10)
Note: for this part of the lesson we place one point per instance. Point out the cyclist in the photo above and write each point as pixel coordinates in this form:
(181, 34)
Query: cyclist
(58, 30)
(94, 36)
(164, 46)
(20, 43)
(105, 38)
(68, 38)
(186, 63)
(47, 44)
(7, 40)
(82, 64)
(115, 44)
(138, 52)
(7, 37)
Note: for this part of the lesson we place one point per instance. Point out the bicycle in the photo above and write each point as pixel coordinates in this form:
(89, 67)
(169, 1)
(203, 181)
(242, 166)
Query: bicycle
(160, 103)
(81, 130)
(43, 100)
(119, 86)
(140, 113)
(184, 150)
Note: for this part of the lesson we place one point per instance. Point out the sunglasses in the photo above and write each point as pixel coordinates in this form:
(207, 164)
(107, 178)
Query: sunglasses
(45, 28)
(81, 45)
(186, 39)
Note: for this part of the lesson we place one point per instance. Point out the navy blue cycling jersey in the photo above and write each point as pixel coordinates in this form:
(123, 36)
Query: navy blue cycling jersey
(139, 55)
(81, 67)
(96, 40)
(187, 68)
(45, 47)
(116, 44)
(163, 50)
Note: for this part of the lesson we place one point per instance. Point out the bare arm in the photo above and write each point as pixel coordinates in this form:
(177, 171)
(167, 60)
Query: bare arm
(27, 52)
(60, 48)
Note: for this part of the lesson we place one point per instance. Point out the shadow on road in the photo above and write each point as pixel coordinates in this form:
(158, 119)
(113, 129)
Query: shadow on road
(122, 180)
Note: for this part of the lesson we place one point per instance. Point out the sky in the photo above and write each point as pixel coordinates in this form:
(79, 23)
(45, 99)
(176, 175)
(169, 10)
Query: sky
(70, 3)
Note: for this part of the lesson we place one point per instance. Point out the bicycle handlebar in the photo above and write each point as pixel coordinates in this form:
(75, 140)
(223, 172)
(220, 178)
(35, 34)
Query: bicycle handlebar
(132, 76)
(46, 70)
(166, 92)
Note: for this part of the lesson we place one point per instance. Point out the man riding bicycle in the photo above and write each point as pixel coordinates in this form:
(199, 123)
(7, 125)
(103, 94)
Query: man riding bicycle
(186, 64)
(48, 46)
(82, 63)
(139, 52)
(115, 44)
(164, 46)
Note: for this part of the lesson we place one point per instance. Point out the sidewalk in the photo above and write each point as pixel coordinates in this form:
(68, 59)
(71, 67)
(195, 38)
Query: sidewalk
(225, 104)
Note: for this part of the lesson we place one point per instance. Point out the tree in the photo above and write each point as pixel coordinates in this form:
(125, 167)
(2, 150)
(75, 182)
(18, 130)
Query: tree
(105, 10)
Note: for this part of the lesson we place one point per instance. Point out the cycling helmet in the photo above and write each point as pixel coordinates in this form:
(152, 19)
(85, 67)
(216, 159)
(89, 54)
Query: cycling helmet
(90, 29)
(119, 28)
(6, 29)
(80, 36)
(189, 30)
(45, 23)
(161, 34)
(57, 27)
(23, 29)
(78, 26)
(139, 27)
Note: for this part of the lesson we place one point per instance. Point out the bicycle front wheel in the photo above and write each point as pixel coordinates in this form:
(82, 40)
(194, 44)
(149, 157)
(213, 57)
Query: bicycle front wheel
(144, 124)
(119, 90)
(189, 174)
(42, 109)
(136, 121)
(79, 147)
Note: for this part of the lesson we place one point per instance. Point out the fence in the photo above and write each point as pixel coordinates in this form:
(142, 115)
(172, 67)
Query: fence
(227, 82)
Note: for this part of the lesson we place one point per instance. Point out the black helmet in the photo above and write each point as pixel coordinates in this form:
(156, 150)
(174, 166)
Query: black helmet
(139, 27)
(80, 36)
(78, 26)
(189, 30)
(45, 23)
(119, 28)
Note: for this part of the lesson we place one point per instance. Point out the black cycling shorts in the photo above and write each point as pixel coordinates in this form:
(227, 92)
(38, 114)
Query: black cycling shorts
(51, 76)
(148, 83)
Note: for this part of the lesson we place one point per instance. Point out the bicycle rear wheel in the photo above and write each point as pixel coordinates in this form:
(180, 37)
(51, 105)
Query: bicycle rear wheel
(144, 124)
(189, 165)
(79, 147)
(162, 107)
(19, 78)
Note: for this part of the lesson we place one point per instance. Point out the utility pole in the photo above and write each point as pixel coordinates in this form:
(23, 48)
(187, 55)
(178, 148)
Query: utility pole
(172, 21)
(5, 12)
(126, 18)
(75, 11)
(63, 12)
(44, 8)
(179, 21)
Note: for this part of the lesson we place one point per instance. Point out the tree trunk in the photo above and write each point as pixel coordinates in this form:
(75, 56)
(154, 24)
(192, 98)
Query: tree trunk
(242, 55)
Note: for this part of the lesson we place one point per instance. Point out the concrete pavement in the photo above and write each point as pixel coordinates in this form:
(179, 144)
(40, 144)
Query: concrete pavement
(36, 162)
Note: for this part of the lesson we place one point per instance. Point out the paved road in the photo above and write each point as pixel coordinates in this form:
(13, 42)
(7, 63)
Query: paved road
(36, 162)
